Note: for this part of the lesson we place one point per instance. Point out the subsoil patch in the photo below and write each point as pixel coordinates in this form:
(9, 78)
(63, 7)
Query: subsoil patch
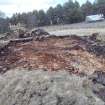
(72, 53)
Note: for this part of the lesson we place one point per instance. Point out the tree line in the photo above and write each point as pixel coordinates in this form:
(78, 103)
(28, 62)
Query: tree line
(69, 12)
(4, 23)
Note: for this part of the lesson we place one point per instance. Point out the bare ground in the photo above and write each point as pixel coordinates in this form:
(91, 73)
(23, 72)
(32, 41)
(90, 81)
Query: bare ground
(54, 53)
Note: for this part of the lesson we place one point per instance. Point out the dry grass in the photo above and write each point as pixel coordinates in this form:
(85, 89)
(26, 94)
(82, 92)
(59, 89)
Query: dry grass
(78, 29)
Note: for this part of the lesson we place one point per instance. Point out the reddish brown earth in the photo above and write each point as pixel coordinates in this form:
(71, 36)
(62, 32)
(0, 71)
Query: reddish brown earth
(53, 53)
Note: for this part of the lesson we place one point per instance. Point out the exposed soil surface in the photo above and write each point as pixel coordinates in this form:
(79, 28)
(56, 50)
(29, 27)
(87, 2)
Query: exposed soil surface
(72, 53)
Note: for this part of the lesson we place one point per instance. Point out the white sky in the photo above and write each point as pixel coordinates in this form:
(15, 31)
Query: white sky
(13, 6)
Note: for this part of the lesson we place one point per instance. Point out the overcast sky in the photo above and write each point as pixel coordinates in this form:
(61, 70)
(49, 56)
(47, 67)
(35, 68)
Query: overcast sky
(13, 6)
